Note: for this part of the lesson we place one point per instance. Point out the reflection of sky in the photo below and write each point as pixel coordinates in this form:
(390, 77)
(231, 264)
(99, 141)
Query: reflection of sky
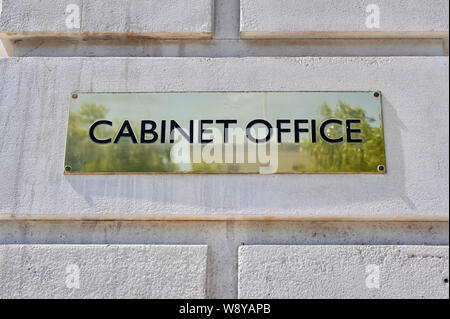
(241, 106)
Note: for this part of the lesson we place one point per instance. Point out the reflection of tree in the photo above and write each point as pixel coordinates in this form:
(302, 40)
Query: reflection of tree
(209, 167)
(343, 157)
(222, 168)
(83, 154)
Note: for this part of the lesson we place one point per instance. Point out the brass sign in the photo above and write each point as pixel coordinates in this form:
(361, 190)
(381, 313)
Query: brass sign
(225, 133)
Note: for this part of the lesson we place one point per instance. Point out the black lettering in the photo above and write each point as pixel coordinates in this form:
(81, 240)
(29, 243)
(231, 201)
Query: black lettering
(174, 125)
(226, 124)
(201, 130)
(163, 131)
(282, 130)
(351, 130)
(299, 130)
(92, 129)
(313, 131)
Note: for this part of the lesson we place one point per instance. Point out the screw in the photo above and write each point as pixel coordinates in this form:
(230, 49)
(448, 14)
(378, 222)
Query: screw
(380, 168)
(446, 280)
(376, 94)
(74, 96)
(68, 168)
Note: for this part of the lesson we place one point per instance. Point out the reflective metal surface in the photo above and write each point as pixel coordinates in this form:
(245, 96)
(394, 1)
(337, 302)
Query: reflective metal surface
(225, 132)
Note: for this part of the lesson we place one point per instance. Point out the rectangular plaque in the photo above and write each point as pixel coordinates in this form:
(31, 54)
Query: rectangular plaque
(225, 133)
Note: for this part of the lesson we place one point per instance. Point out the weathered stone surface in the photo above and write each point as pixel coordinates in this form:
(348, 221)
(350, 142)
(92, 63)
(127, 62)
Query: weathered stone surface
(102, 271)
(343, 272)
(34, 97)
(229, 48)
(352, 18)
(152, 18)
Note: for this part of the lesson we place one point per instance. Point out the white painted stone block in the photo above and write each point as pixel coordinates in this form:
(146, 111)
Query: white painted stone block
(343, 272)
(34, 99)
(102, 271)
(348, 18)
(150, 18)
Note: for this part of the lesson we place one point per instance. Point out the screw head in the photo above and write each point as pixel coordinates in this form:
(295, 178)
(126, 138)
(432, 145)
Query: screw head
(68, 168)
(381, 168)
(74, 96)
(376, 94)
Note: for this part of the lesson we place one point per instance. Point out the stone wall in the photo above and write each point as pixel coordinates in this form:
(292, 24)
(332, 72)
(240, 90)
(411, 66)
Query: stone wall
(219, 236)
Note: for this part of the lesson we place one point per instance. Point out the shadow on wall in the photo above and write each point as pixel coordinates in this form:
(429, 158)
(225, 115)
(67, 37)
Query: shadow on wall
(257, 193)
